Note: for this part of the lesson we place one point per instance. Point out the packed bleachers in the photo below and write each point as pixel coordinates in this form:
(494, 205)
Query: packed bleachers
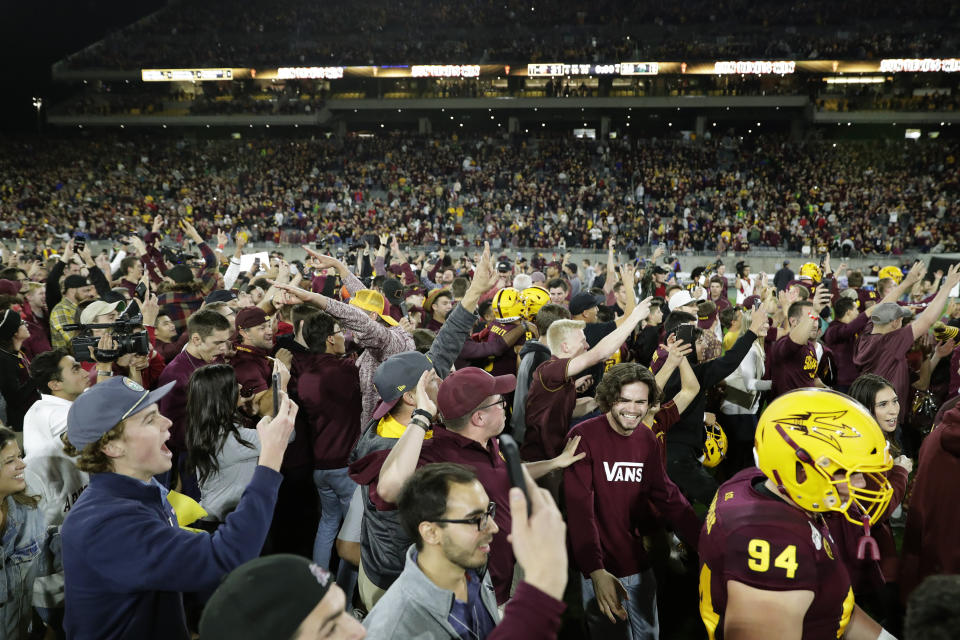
(725, 192)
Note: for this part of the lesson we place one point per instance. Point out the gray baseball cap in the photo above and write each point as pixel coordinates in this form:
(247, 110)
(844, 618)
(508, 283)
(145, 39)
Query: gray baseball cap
(397, 375)
(104, 405)
(888, 312)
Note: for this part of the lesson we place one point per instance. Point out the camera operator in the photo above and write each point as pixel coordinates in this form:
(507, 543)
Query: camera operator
(135, 360)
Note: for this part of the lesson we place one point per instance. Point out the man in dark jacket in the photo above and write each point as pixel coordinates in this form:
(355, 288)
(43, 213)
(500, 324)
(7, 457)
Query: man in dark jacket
(126, 560)
(685, 439)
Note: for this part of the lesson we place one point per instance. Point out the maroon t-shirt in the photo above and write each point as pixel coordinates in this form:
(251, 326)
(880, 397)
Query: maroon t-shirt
(328, 387)
(659, 359)
(793, 365)
(841, 339)
(886, 356)
(550, 405)
(609, 494)
(254, 369)
(173, 406)
(763, 542)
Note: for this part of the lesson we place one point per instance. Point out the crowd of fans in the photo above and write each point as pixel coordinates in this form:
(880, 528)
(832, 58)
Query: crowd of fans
(714, 195)
(216, 34)
(183, 410)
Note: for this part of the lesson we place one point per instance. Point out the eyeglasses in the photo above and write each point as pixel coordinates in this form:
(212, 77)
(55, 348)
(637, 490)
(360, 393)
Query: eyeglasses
(502, 402)
(481, 521)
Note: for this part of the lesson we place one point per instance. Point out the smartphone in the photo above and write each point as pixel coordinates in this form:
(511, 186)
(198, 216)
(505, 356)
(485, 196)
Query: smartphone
(404, 310)
(79, 241)
(756, 304)
(141, 291)
(828, 283)
(511, 453)
(276, 394)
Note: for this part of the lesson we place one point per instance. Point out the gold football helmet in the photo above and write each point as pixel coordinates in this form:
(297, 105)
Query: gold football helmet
(811, 442)
(715, 447)
(892, 272)
(812, 270)
(507, 305)
(533, 300)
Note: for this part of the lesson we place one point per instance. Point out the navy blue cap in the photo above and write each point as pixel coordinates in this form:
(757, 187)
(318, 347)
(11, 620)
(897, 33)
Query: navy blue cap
(104, 405)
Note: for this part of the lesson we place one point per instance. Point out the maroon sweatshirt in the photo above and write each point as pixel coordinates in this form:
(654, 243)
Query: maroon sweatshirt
(328, 387)
(841, 339)
(930, 539)
(611, 490)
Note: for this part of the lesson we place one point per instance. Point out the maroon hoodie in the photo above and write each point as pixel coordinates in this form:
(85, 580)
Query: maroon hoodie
(930, 540)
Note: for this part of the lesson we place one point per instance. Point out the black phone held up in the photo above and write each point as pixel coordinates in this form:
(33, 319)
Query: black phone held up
(511, 453)
(276, 394)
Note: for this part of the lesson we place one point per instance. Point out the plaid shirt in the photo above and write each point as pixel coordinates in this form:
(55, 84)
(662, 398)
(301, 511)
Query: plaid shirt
(180, 305)
(64, 313)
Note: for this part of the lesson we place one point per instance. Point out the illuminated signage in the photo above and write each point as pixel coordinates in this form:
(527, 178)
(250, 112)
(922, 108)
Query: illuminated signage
(445, 70)
(185, 75)
(639, 68)
(326, 73)
(912, 65)
(552, 69)
(755, 67)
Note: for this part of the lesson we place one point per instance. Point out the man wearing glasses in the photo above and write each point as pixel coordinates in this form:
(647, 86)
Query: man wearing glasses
(471, 405)
(445, 590)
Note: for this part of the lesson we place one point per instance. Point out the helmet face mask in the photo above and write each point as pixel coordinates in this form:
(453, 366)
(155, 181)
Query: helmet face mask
(813, 442)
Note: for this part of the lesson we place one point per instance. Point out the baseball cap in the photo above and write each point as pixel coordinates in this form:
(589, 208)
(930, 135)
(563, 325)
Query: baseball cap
(220, 295)
(583, 301)
(749, 301)
(104, 405)
(74, 282)
(706, 314)
(463, 390)
(680, 299)
(888, 312)
(10, 287)
(503, 266)
(251, 317)
(392, 291)
(370, 300)
(96, 308)
(10, 321)
(265, 598)
(180, 274)
(658, 269)
(537, 276)
(396, 375)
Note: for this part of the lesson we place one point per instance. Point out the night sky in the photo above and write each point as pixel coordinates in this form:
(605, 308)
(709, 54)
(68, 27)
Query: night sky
(36, 33)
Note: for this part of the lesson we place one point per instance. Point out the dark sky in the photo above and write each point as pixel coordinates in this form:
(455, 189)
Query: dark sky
(36, 33)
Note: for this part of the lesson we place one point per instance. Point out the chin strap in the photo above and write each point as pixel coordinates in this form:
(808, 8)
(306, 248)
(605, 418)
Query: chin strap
(867, 541)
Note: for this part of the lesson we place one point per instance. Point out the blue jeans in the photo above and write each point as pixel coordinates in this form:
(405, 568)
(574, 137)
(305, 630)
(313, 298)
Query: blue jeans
(642, 620)
(336, 490)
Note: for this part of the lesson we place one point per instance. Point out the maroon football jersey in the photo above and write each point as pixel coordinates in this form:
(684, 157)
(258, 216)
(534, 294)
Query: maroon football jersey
(765, 543)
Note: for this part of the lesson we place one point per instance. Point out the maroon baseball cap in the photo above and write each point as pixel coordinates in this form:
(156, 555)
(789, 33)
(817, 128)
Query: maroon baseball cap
(251, 317)
(10, 287)
(465, 389)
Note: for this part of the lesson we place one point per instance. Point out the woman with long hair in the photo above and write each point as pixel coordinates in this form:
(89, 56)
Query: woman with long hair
(874, 584)
(22, 535)
(15, 386)
(221, 452)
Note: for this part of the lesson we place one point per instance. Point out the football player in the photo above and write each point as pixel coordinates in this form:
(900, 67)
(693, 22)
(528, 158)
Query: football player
(768, 566)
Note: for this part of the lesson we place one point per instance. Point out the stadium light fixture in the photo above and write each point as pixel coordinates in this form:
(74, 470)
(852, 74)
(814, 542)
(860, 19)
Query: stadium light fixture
(855, 80)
